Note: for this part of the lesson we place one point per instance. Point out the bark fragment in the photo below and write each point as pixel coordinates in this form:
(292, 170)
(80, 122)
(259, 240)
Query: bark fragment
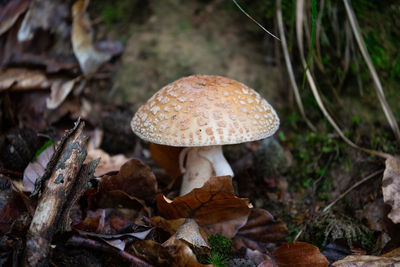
(62, 184)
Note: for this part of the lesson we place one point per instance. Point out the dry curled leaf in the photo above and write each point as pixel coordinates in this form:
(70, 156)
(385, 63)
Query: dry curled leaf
(215, 202)
(23, 79)
(391, 187)
(36, 169)
(134, 178)
(167, 157)
(190, 232)
(261, 227)
(107, 163)
(11, 207)
(299, 254)
(90, 58)
(10, 12)
(60, 89)
(389, 259)
(45, 15)
(182, 254)
(170, 226)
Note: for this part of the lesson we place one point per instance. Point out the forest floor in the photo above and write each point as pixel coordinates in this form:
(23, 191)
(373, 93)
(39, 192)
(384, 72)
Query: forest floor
(299, 185)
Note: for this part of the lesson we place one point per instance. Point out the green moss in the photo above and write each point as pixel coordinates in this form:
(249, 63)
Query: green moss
(313, 153)
(221, 248)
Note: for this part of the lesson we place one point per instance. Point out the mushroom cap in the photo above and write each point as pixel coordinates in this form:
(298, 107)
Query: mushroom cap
(204, 110)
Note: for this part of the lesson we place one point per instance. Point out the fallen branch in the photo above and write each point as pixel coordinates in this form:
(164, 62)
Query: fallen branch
(62, 184)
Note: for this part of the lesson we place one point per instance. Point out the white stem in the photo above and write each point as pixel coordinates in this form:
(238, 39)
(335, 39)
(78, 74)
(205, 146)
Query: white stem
(216, 157)
(201, 164)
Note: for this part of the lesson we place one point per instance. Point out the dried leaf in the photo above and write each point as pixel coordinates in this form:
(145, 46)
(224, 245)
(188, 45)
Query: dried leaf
(36, 169)
(46, 15)
(10, 12)
(107, 163)
(299, 254)
(261, 227)
(227, 228)
(259, 258)
(215, 202)
(170, 226)
(391, 187)
(10, 209)
(131, 207)
(134, 178)
(23, 79)
(389, 259)
(190, 232)
(167, 157)
(151, 251)
(183, 256)
(90, 59)
(336, 251)
(60, 89)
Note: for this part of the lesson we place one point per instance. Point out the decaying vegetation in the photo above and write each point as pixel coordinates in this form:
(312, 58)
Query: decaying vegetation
(77, 187)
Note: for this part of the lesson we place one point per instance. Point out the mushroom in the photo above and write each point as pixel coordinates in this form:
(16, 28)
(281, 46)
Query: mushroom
(202, 113)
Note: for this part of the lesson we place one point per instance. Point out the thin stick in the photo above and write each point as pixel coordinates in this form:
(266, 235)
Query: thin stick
(256, 22)
(339, 198)
(350, 189)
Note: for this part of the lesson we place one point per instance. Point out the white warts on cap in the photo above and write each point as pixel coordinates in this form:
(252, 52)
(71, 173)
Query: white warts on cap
(203, 110)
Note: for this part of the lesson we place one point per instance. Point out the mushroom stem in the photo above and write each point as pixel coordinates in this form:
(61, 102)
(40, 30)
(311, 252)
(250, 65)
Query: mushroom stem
(201, 164)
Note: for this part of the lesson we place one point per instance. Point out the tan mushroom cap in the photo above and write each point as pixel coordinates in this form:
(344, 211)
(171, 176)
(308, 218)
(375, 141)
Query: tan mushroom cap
(203, 110)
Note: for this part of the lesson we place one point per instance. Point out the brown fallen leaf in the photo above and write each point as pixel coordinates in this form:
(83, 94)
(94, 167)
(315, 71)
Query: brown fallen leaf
(261, 227)
(190, 232)
(167, 157)
(129, 206)
(49, 15)
(391, 187)
(182, 254)
(36, 169)
(152, 252)
(134, 178)
(213, 203)
(107, 163)
(10, 12)
(90, 59)
(23, 79)
(170, 226)
(60, 89)
(11, 208)
(299, 254)
(389, 259)
(259, 258)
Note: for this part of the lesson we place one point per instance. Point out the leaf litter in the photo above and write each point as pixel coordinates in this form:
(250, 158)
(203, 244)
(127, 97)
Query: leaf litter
(123, 209)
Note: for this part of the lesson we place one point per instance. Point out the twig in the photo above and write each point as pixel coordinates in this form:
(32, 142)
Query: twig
(256, 22)
(350, 189)
(93, 244)
(330, 205)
